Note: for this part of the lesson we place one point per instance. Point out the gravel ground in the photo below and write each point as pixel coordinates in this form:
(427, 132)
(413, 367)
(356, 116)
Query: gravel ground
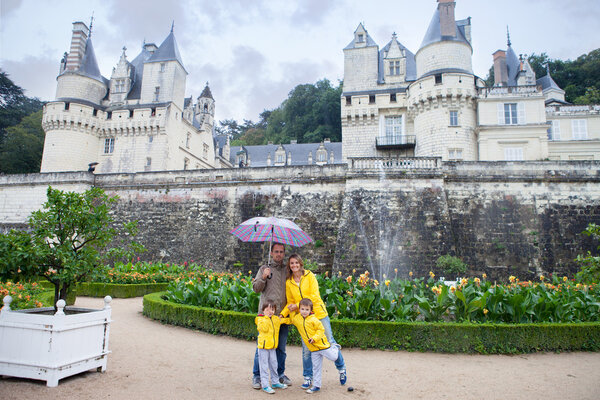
(154, 361)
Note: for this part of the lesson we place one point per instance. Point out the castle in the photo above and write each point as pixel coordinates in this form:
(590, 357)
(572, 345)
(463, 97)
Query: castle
(138, 120)
(430, 104)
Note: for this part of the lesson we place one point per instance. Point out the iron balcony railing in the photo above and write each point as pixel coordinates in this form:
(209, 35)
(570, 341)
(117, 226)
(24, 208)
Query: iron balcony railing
(395, 142)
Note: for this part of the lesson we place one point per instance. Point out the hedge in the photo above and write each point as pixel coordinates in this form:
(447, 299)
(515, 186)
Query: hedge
(411, 336)
(118, 290)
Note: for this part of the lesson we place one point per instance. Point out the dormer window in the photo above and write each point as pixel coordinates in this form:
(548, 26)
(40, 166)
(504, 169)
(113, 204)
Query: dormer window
(394, 67)
(361, 38)
(119, 85)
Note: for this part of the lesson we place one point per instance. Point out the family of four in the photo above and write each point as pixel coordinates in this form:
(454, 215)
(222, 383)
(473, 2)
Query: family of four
(289, 295)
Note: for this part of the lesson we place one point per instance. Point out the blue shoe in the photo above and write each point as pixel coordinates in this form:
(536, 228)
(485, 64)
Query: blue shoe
(269, 390)
(307, 382)
(342, 376)
(313, 389)
(279, 386)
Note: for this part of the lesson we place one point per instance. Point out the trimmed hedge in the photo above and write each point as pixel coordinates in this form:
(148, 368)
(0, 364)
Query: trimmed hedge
(118, 290)
(411, 336)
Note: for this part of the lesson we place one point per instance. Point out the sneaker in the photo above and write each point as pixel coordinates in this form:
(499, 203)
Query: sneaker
(279, 386)
(256, 382)
(342, 377)
(313, 389)
(307, 382)
(269, 390)
(285, 379)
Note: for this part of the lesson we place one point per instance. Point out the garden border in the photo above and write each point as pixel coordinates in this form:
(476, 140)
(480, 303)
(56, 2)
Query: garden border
(118, 290)
(410, 336)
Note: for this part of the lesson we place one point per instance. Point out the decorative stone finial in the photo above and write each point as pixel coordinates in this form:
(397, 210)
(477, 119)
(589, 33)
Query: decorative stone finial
(91, 24)
(107, 301)
(394, 36)
(7, 300)
(172, 25)
(60, 305)
(507, 36)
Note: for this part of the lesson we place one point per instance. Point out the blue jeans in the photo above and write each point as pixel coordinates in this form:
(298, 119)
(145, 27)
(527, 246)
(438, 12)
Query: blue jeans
(306, 359)
(280, 351)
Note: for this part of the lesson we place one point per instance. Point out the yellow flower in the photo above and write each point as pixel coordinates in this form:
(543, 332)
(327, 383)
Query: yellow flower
(542, 277)
(410, 273)
(349, 279)
(484, 276)
(384, 276)
(431, 274)
(464, 281)
(485, 311)
(565, 279)
(477, 281)
(354, 270)
(249, 272)
(326, 273)
(453, 289)
(387, 282)
(366, 273)
(396, 270)
(339, 273)
(375, 282)
(512, 279)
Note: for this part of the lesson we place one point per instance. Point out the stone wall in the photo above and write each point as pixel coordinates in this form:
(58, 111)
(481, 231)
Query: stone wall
(501, 218)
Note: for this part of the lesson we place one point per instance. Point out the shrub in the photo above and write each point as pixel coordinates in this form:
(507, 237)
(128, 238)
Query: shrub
(451, 266)
(589, 265)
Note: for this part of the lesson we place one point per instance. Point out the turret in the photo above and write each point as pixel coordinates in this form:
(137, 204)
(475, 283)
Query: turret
(361, 62)
(205, 109)
(121, 80)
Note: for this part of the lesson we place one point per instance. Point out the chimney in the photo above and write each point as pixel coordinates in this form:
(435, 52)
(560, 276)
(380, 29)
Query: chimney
(447, 21)
(326, 140)
(500, 70)
(293, 141)
(77, 50)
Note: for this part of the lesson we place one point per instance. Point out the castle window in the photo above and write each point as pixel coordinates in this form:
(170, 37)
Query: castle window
(279, 158)
(186, 163)
(187, 140)
(67, 106)
(109, 115)
(321, 156)
(438, 79)
(348, 100)
(95, 112)
(554, 131)
(119, 85)
(371, 99)
(453, 118)
(579, 127)
(392, 97)
(361, 38)
(393, 126)
(394, 67)
(205, 151)
(513, 154)
(109, 145)
(455, 154)
(130, 113)
(206, 108)
(148, 161)
(163, 67)
(510, 114)
(156, 93)
(150, 139)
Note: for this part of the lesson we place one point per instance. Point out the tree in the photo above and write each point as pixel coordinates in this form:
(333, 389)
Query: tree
(22, 147)
(14, 105)
(66, 240)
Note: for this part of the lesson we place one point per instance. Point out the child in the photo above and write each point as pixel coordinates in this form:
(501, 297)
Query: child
(313, 335)
(268, 337)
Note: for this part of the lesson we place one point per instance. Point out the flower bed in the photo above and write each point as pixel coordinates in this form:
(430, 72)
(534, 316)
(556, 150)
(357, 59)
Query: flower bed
(25, 295)
(116, 290)
(146, 272)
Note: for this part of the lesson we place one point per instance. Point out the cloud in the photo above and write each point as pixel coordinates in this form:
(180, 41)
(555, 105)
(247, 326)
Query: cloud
(312, 12)
(8, 6)
(34, 74)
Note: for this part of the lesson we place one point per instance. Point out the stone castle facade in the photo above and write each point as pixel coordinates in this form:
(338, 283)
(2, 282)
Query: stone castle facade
(138, 120)
(430, 103)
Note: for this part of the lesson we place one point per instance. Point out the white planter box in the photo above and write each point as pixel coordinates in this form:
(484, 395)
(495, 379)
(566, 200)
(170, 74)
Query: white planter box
(52, 347)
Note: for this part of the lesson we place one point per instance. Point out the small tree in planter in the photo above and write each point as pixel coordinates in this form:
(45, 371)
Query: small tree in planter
(65, 242)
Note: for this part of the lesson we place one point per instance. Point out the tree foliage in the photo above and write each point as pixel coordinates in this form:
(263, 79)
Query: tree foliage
(310, 114)
(66, 240)
(580, 78)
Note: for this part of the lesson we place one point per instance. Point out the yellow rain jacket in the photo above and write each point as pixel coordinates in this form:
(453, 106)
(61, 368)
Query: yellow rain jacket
(268, 331)
(309, 288)
(310, 328)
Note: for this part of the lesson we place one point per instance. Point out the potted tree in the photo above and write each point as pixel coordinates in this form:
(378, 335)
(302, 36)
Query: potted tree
(64, 245)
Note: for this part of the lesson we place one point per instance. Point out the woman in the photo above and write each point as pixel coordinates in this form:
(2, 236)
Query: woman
(301, 284)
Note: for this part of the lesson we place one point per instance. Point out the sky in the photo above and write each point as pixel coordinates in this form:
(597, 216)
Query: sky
(254, 52)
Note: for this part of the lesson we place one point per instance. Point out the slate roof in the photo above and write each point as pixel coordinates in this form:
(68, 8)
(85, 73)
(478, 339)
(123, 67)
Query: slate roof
(89, 64)
(411, 65)
(167, 51)
(258, 154)
(369, 40)
(434, 33)
(138, 69)
(513, 64)
(547, 82)
(206, 93)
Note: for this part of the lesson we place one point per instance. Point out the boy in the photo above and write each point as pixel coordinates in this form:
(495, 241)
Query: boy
(313, 335)
(268, 337)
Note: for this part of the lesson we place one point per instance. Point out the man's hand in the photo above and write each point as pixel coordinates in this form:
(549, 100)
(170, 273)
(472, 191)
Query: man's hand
(292, 307)
(266, 273)
(311, 340)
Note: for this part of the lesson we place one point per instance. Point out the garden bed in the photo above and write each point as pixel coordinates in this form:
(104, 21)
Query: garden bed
(117, 290)
(411, 336)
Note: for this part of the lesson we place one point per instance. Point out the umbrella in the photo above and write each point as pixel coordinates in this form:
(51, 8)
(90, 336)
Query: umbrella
(271, 229)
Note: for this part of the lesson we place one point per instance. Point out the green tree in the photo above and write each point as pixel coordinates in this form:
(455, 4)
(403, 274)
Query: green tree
(14, 105)
(21, 149)
(65, 242)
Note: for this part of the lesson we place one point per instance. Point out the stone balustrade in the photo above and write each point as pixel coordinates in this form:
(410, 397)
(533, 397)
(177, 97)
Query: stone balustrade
(501, 91)
(379, 163)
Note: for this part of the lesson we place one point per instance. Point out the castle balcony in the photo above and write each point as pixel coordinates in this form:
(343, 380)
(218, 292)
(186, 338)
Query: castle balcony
(395, 142)
(503, 91)
(394, 163)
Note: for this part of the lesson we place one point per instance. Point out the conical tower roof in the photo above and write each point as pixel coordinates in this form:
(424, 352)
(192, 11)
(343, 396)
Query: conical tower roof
(206, 93)
(89, 64)
(434, 32)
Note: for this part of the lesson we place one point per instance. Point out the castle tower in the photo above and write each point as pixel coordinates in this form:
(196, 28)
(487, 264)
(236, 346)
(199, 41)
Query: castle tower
(121, 80)
(361, 62)
(205, 109)
(164, 75)
(441, 100)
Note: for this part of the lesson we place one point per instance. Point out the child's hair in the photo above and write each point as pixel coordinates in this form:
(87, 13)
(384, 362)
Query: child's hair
(269, 303)
(299, 259)
(306, 302)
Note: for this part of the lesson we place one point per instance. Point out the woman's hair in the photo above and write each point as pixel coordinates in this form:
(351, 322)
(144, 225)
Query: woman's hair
(297, 257)
(269, 303)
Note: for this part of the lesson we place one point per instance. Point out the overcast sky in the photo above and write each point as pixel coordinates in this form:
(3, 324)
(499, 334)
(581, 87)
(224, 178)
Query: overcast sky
(253, 52)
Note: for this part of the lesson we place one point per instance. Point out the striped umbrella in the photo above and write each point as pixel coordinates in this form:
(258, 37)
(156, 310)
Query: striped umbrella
(271, 229)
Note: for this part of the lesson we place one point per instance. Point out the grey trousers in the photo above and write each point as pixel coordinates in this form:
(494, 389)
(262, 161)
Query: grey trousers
(317, 362)
(267, 361)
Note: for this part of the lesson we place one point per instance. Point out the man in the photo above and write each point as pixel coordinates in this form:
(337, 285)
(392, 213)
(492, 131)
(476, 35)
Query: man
(270, 283)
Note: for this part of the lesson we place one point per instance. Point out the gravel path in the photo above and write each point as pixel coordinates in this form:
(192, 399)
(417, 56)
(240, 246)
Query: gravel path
(154, 361)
